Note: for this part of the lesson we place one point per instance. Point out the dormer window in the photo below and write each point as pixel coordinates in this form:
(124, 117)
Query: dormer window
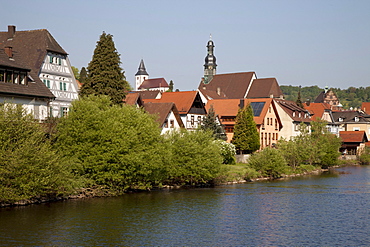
(357, 119)
(340, 119)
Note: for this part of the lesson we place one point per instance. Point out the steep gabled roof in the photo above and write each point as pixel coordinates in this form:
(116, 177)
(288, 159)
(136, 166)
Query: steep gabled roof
(183, 100)
(153, 83)
(353, 136)
(152, 94)
(162, 110)
(32, 46)
(295, 112)
(232, 86)
(133, 98)
(34, 88)
(265, 88)
(365, 106)
(316, 109)
(230, 108)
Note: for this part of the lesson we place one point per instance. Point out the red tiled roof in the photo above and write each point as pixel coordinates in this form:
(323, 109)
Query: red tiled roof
(317, 109)
(133, 99)
(154, 83)
(162, 110)
(365, 106)
(230, 107)
(232, 86)
(183, 100)
(353, 136)
(264, 88)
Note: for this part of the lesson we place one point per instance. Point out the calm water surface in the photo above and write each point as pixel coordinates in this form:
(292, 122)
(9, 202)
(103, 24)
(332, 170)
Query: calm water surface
(325, 210)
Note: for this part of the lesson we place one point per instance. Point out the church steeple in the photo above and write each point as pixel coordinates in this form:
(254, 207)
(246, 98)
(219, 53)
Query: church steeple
(141, 75)
(210, 62)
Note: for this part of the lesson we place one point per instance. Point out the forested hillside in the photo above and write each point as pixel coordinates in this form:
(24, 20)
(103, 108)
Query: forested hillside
(350, 97)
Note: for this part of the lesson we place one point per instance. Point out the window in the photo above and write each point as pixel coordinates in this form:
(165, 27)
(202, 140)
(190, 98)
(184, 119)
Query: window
(229, 129)
(59, 61)
(16, 78)
(50, 59)
(2, 75)
(172, 124)
(22, 79)
(357, 119)
(356, 128)
(199, 119)
(192, 120)
(9, 77)
(62, 86)
(63, 111)
(165, 125)
(276, 125)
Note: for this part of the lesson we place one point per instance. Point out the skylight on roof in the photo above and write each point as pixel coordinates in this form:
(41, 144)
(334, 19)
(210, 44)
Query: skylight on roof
(257, 108)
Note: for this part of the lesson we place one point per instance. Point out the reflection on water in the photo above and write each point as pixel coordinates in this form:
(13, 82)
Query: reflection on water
(323, 210)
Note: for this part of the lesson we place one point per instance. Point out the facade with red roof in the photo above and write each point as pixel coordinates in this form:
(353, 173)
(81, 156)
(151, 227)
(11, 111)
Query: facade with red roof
(188, 103)
(292, 116)
(265, 115)
(166, 114)
(322, 111)
(155, 84)
(353, 142)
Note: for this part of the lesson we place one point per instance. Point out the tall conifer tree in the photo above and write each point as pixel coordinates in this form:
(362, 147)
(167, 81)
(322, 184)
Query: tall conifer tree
(83, 75)
(210, 123)
(104, 74)
(246, 137)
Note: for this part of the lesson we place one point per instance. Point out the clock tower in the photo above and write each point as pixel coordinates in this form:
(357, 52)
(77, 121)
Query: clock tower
(210, 62)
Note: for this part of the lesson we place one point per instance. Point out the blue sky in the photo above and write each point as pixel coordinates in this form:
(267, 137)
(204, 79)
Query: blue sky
(324, 43)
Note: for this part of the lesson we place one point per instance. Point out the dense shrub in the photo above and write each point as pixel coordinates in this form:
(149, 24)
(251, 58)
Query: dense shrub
(269, 162)
(195, 157)
(115, 146)
(29, 168)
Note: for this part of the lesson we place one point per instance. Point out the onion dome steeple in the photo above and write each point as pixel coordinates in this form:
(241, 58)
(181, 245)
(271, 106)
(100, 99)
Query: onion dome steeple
(141, 75)
(210, 62)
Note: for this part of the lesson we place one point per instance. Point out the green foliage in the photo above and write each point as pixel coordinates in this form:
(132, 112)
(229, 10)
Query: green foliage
(171, 86)
(83, 75)
(228, 151)
(313, 147)
(29, 168)
(105, 76)
(210, 123)
(117, 146)
(195, 157)
(246, 138)
(350, 97)
(75, 72)
(269, 162)
(364, 157)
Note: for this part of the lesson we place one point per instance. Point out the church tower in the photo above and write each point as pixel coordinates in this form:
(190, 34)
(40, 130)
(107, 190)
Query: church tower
(141, 75)
(210, 62)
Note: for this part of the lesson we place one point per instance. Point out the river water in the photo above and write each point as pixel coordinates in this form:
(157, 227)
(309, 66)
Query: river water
(331, 209)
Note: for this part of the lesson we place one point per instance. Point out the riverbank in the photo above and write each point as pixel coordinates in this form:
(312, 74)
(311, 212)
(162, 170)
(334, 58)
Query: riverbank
(99, 191)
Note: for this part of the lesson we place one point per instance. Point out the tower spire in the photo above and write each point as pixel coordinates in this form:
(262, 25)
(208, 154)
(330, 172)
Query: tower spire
(141, 75)
(210, 62)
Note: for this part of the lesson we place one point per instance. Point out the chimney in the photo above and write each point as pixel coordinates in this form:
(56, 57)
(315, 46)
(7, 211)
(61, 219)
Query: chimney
(11, 32)
(9, 51)
(241, 105)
